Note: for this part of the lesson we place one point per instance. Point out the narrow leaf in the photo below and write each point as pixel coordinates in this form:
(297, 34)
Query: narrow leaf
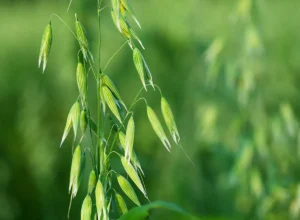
(169, 119)
(129, 139)
(86, 209)
(142, 212)
(132, 173)
(157, 127)
(110, 101)
(127, 189)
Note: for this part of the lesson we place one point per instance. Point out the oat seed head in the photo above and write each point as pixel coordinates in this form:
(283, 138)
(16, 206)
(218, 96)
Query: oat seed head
(92, 182)
(83, 121)
(110, 101)
(157, 127)
(129, 139)
(132, 173)
(127, 189)
(121, 204)
(100, 199)
(169, 119)
(81, 81)
(45, 46)
(86, 208)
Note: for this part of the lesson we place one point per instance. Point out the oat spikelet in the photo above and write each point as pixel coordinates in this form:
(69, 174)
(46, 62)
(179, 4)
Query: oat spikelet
(108, 82)
(134, 159)
(126, 8)
(129, 139)
(67, 128)
(139, 65)
(86, 208)
(132, 173)
(75, 114)
(81, 81)
(126, 30)
(83, 121)
(75, 171)
(157, 127)
(127, 189)
(92, 182)
(116, 10)
(110, 101)
(169, 119)
(83, 41)
(142, 67)
(45, 46)
(121, 204)
(100, 199)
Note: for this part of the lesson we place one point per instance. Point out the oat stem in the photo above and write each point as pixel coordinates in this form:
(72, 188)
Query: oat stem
(99, 155)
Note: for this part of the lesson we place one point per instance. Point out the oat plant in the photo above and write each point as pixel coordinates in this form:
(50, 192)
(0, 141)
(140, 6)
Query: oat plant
(102, 201)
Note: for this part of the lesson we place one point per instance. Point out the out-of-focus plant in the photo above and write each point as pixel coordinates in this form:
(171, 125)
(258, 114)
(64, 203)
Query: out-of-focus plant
(114, 126)
(264, 144)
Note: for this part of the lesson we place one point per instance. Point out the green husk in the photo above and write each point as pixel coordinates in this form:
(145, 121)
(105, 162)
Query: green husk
(129, 139)
(157, 127)
(169, 119)
(127, 189)
(132, 173)
(45, 46)
(92, 182)
(86, 209)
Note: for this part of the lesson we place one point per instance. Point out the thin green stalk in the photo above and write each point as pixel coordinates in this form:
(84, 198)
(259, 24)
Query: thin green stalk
(100, 152)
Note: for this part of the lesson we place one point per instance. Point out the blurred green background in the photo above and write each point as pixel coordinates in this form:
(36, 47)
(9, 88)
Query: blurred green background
(230, 70)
